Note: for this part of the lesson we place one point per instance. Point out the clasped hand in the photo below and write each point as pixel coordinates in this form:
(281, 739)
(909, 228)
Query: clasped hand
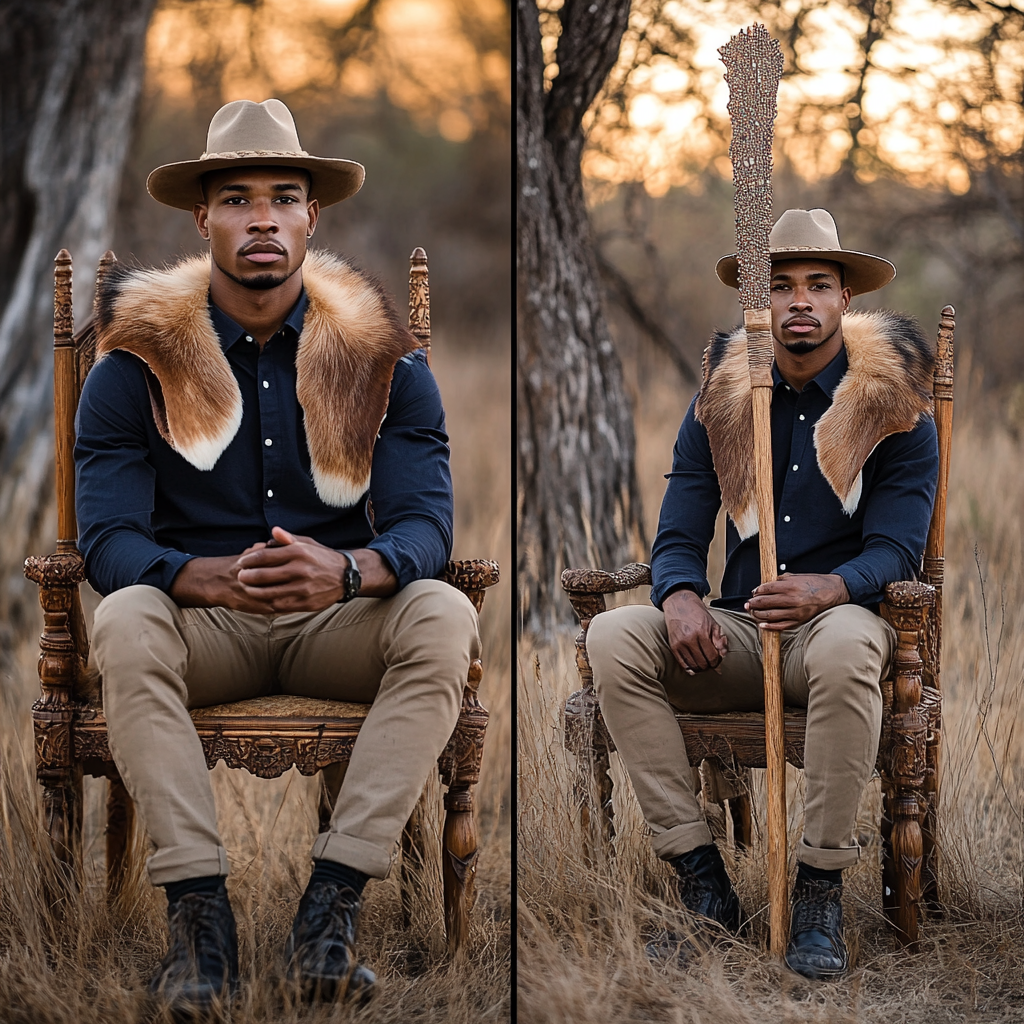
(293, 574)
(697, 641)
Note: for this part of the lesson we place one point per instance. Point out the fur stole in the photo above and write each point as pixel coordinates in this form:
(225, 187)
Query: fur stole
(351, 340)
(885, 390)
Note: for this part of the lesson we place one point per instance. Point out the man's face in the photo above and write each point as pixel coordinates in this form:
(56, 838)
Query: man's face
(808, 302)
(257, 220)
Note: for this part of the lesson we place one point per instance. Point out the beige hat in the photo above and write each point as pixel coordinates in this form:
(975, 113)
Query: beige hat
(247, 134)
(802, 234)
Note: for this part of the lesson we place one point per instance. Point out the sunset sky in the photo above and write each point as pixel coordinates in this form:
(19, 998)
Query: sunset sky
(904, 113)
(427, 61)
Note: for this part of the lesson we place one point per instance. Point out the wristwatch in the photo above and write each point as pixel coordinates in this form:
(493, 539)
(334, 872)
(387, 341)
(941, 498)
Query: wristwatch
(351, 581)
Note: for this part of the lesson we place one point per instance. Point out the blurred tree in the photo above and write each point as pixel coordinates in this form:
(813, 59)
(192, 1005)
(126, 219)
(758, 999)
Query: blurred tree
(70, 76)
(578, 499)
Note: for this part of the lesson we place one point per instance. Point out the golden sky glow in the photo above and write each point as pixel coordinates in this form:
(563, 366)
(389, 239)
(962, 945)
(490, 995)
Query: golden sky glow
(668, 143)
(427, 62)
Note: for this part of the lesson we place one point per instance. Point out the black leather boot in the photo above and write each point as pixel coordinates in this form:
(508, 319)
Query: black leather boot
(705, 887)
(319, 949)
(200, 970)
(817, 949)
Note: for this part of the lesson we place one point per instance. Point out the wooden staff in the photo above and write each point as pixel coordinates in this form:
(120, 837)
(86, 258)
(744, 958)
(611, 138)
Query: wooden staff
(753, 62)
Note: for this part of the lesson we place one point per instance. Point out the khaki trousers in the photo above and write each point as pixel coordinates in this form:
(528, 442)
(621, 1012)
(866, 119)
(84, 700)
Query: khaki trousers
(408, 655)
(832, 665)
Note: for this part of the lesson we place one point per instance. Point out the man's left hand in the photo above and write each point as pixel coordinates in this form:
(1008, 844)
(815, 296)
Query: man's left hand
(795, 598)
(298, 574)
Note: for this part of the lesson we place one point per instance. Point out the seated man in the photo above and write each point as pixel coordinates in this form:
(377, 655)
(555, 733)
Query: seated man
(244, 410)
(855, 468)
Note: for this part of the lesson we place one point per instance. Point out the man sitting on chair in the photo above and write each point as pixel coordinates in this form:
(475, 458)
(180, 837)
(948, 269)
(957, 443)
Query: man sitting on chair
(855, 468)
(244, 410)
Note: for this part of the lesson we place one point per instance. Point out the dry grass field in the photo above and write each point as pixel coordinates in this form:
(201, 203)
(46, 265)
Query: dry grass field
(581, 928)
(93, 969)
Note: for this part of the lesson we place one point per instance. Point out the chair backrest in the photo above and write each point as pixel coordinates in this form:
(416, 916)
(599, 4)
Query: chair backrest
(933, 563)
(942, 389)
(74, 355)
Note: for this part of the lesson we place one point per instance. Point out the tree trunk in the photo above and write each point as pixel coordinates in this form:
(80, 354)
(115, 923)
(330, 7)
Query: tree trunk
(579, 502)
(70, 77)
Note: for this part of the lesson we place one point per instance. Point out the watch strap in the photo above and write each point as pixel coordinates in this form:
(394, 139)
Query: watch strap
(352, 580)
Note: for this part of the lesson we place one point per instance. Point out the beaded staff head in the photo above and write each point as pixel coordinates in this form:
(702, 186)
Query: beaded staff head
(753, 68)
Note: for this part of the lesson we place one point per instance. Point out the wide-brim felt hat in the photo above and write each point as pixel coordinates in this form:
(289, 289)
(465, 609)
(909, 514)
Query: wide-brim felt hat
(247, 134)
(812, 234)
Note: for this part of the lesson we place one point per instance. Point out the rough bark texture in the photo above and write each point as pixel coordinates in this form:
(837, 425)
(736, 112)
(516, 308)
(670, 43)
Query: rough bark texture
(579, 502)
(70, 77)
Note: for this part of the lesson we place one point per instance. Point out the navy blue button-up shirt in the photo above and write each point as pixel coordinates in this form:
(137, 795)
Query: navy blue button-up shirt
(143, 511)
(882, 541)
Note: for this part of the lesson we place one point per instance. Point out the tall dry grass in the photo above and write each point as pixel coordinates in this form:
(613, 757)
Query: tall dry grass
(92, 967)
(582, 926)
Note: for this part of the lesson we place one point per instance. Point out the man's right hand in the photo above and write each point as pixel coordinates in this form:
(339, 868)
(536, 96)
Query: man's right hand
(213, 582)
(696, 639)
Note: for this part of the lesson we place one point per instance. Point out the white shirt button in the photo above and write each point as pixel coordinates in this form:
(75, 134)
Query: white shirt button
(270, 494)
(248, 337)
(802, 416)
(795, 467)
(782, 568)
(268, 443)
(266, 384)
(785, 519)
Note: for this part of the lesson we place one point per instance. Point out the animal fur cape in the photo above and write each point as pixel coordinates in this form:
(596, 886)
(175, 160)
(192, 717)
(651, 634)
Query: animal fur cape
(351, 339)
(885, 390)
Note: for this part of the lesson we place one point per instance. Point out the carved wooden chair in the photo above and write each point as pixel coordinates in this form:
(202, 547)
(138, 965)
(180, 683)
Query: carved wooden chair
(267, 735)
(726, 746)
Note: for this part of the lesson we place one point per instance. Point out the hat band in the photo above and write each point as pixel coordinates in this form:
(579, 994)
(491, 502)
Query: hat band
(807, 248)
(245, 154)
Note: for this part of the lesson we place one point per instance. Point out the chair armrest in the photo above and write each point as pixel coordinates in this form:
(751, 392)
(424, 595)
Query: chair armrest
(909, 593)
(586, 588)
(472, 576)
(598, 581)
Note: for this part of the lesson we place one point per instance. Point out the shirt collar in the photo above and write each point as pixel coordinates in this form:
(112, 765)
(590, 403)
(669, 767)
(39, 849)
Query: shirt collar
(229, 333)
(829, 378)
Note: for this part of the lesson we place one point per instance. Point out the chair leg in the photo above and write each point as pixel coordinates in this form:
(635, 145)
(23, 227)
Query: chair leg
(459, 768)
(62, 819)
(929, 826)
(930, 858)
(742, 821)
(414, 850)
(720, 784)
(120, 829)
(905, 769)
(906, 854)
(592, 792)
(458, 860)
(331, 779)
(889, 898)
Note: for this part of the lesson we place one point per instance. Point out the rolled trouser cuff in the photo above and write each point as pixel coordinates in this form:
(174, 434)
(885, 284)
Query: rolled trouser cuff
(827, 860)
(176, 863)
(681, 839)
(353, 853)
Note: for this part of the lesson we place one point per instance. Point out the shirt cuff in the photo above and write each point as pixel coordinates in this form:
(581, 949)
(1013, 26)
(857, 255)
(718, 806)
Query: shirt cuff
(663, 590)
(405, 568)
(160, 573)
(860, 588)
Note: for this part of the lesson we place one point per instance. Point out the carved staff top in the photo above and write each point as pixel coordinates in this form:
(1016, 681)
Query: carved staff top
(753, 68)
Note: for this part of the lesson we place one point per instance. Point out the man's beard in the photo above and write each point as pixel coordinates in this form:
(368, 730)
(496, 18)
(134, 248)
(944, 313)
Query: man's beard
(258, 282)
(801, 348)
